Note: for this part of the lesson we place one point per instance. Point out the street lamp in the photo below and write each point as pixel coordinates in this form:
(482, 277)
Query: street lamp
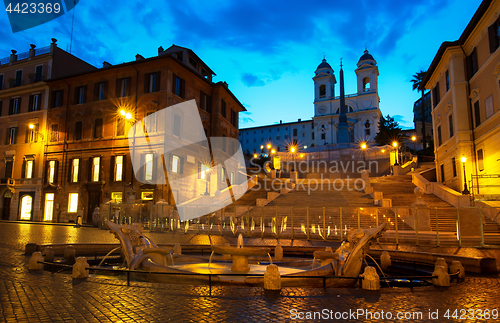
(414, 139)
(293, 150)
(465, 191)
(363, 148)
(395, 145)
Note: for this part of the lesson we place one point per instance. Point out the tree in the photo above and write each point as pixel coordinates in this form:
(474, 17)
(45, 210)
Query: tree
(418, 85)
(388, 131)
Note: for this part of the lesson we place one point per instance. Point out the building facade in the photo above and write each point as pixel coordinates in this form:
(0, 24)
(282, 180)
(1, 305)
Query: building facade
(417, 120)
(465, 81)
(24, 97)
(87, 156)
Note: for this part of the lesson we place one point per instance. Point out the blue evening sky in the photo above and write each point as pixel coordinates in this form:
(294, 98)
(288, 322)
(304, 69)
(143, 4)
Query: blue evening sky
(267, 51)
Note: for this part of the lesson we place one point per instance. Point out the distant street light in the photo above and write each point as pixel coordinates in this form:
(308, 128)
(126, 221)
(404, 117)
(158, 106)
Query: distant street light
(395, 145)
(363, 148)
(465, 191)
(414, 139)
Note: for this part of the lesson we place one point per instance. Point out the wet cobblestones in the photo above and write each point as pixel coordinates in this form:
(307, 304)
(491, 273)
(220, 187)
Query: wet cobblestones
(45, 297)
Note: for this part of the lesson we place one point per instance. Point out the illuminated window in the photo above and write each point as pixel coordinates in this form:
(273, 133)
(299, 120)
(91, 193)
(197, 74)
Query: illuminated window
(118, 168)
(147, 195)
(175, 164)
(116, 197)
(75, 168)
(12, 135)
(223, 174)
(96, 163)
(49, 207)
(231, 179)
(73, 202)
(52, 171)
(202, 171)
(29, 169)
(26, 207)
(148, 169)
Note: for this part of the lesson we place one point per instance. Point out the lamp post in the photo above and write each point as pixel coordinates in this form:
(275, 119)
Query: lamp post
(414, 139)
(363, 148)
(293, 150)
(395, 145)
(465, 191)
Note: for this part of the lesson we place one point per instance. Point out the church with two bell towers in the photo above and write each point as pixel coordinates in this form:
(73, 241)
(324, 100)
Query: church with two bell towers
(339, 121)
(361, 108)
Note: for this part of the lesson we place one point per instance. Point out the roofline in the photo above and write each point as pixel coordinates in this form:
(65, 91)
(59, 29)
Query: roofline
(191, 52)
(483, 7)
(277, 124)
(222, 85)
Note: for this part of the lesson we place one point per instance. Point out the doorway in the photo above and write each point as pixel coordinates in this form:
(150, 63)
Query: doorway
(94, 201)
(6, 205)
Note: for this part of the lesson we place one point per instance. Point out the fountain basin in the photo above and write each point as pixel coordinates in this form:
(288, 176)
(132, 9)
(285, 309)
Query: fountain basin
(240, 255)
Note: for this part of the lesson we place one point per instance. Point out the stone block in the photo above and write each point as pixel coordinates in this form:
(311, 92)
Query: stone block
(457, 266)
(35, 258)
(177, 249)
(80, 268)
(443, 278)
(423, 219)
(30, 248)
(385, 260)
(272, 278)
(70, 254)
(441, 262)
(371, 280)
(48, 254)
(278, 253)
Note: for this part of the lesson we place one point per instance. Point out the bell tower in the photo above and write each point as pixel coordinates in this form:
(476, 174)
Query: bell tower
(367, 74)
(324, 82)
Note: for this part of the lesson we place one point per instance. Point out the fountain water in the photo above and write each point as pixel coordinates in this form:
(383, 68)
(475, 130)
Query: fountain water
(108, 255)
(240, 241)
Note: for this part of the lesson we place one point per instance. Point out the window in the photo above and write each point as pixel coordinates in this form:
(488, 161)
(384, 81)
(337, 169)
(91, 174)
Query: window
(203, 170)
(51, 174)
(480, 160)
(72, 202)
(442, 173)
(75, 170)
(117, 197)
(454, 166)
(123, 87)
(80, 94)
(96, 167)
(450, 123)
(477, 114)
(440, 139)
(26, 207)
(277, 138)
(366, 84)
(178, 86)
(1, 81)
(447, 76)
(175, 164)
(286, 137)
(78, 130)
(14, 106)
(19, 78)
(471, 63)
(49, 207)
(9, 164)
(38, 73)
(367, 132)
(31, 133)
(322, 91)
(494, 36)
(223, 108)
(295, 132)
(118, 169)
(323, 136)
(148, 167)
(435, 95)
(57, 99)
(120, 127)
(312, 136)
(150, 122)
(234, 118)
(35, 102)
(205, 102)
(11, 136)
(28, 169)
(223, 174)
(177, 125)
(231, 178)
(98, 128)
(147, 195)
(100, 90)
(152, 82)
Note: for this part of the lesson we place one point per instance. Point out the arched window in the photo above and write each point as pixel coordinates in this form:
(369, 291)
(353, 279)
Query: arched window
(322, 91)
(366, 84)
(349, 109)
(26, 207)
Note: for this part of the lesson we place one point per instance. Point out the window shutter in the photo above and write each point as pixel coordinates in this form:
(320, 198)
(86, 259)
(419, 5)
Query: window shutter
(46, 172)
(39, 103)
(85, 93)
(173, 83)
(70, 169)
(33, 170)
(56, 171)
(75, 101)
(118, 88)
(183, 88)
(11, 107)
(30, 105)
(89, 170)
(155, 164)
(124, 168)
(170, 156)
(112, 169)
(15, 135)
(1, 106)
(96, 91)
(181, 165)
(105, 94)
(129, 84)
(79, 170)
(158, 76)
(23, 170)
(492, 36)
(27, 135)
(146, 83)
(142, 169)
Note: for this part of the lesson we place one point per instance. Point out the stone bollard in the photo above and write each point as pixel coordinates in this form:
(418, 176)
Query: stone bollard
(442, 262)
(48, 254)
(328, 249)
(272, 278)
(35, 258)
(385, 260)
(278, 253)
(30, 248)
(457, 266)
(70, 254)
(443, 278)
(371, 280)
(81, 268)
(177, 248)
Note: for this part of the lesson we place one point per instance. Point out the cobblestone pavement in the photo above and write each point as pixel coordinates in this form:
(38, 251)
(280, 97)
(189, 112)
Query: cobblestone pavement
(45, 297)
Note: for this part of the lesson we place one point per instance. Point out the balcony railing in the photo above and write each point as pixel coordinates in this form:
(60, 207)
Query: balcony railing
(24, 55)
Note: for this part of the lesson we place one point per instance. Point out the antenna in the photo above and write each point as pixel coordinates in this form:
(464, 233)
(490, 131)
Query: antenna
(72, 23)
(341, 62)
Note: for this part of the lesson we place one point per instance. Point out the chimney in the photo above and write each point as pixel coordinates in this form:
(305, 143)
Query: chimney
(106, 64)
(139, 57)
(300, 120)
(281, 121)
(160, 50)
(53, 45)
(13, 56)
(32, 50)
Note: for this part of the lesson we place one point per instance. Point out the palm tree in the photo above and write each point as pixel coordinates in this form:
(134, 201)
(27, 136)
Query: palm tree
(417, 85)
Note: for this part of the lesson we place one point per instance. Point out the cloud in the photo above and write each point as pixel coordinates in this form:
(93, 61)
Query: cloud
(250, 80)
(402, 122)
